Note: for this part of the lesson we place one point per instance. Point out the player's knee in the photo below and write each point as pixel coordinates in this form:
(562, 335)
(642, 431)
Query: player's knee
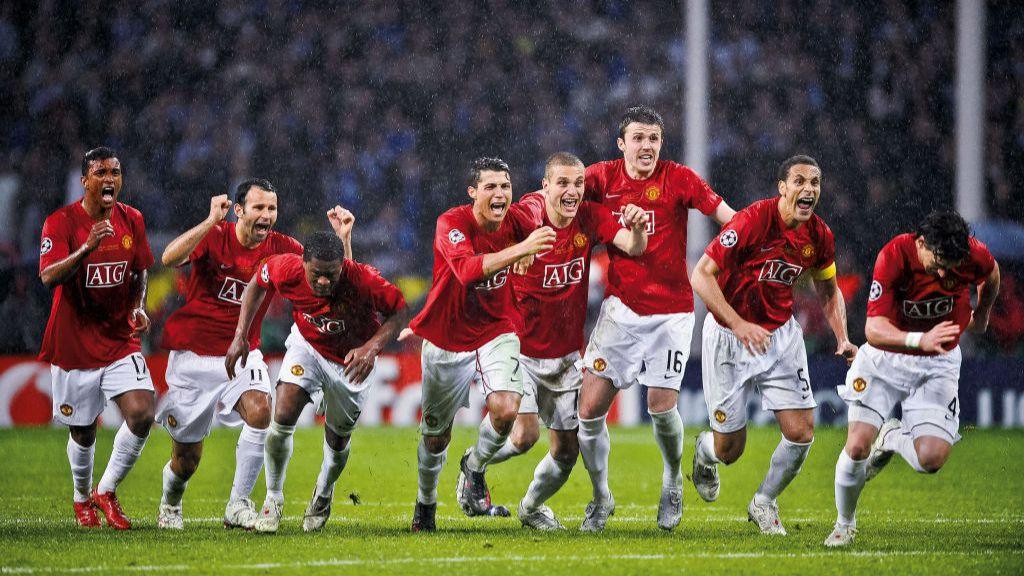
(730, 453)
(801, 436)
(187, 464)
(258, 415)
(139, 420)
(566, 454)
(524, 439)
(858, 450)
(83, 435)
(437, 444)
(931, 462)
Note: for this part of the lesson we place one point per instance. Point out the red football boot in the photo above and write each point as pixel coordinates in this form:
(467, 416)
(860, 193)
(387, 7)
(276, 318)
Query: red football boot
(111, 508)
(85, 514)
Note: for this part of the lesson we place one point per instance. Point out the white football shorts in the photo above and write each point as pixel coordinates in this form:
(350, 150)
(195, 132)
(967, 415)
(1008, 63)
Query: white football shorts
(79, 396)
(198, 389)
(925, 386)
(551, 389)
(729, 372)
(626, 347)
(342, 399)
(447, 377)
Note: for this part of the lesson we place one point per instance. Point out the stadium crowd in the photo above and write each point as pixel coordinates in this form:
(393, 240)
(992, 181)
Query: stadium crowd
(378, 108)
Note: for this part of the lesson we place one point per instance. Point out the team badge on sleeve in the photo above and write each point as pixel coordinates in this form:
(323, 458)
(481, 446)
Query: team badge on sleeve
(46, 246)
(728, 238)
(455, 236)
(876, 291)
(265, 274)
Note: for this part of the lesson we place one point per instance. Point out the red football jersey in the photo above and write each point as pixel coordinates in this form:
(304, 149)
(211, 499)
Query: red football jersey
(88, 326)
(914, 300)
(335, 325)
(552, 296)
(221, 267)
(656, 282)
(760, 261)
(464, 310)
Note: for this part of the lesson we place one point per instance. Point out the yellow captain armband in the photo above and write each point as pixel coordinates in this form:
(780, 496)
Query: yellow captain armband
(825, 273)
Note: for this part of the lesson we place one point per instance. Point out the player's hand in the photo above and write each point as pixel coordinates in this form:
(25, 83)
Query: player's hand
(359, 362)
(405, 334)
(847, 350)
(97, 233)
(634, 217)
(978, 323)
(139, 322)
(219, 206)
(522, 266)
(753, 337)
(540, 240)
(342, 221)
(239, 349)
(940, 334)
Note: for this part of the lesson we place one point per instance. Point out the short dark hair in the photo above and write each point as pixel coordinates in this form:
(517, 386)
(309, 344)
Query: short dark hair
(242, 190)
(641, 115)
(323, 246)
(101, 153)
(946, 234)
(562, 159)
(481, 164)
(788, 163)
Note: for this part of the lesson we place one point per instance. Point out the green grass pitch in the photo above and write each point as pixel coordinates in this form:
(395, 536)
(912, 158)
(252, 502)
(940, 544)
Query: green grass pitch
(969, 518)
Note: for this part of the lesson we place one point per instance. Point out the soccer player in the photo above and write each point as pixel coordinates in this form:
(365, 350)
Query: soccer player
(223, 257)
(918, 306)
(643, 332)
(337, 305)
(751, 341)
(467, 330)
(94, 255)
(552, 301)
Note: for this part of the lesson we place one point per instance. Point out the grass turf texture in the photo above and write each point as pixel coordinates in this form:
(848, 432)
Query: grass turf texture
(967, 519)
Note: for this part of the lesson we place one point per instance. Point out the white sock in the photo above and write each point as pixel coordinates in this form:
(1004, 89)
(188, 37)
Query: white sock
(278, 451)
(785, 465)
(488, 442)
(549, 476)
(81, 458)
(249, 455)
(174, 487)
(508, 450)
(594, 447)
(706, 449)
(334, 462)
(668, 433)
(849, 482)
(429, 466)
(902, 442)
(127, 447)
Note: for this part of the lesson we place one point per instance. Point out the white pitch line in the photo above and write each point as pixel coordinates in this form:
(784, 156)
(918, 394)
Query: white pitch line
(334, 562)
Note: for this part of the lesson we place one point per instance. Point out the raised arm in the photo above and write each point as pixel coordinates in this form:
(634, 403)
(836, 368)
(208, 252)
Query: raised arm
(179, 249)
(252, 298)
(540, 240)
(723, 213)
(832, 302)
(342, 222)
(705, 283)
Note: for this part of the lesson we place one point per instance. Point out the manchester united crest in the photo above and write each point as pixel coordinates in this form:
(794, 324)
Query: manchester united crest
(66, 409)
(172, 421)
(579, 240)
(652, 193)
(807, 251)
(719, 416)
(600, 364)
(859, 384)
(126, 241)
(298, 370)
(949, 283)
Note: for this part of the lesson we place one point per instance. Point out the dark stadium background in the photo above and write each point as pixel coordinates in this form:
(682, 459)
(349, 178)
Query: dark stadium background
(379, 106)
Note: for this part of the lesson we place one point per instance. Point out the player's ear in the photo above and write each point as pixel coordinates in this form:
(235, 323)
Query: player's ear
(238, 209)
(472, 192)
(621, 143)
(782, 187)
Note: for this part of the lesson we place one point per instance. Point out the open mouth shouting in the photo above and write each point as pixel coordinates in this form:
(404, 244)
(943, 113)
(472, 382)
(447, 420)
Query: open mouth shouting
(107, 194)
(805, 204)
(498, 207)
(261, 229)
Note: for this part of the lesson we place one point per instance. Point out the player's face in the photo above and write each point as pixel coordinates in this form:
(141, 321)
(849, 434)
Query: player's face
(932, 263)
(103, 181)
(800, 191)
(641, 146)
(259, 214)
(491, 196)
(322, 275)
(563, 187)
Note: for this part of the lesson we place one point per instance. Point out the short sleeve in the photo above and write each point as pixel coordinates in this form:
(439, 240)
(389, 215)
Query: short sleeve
(595, 180)
(982, 259)
(881, 295)
(271, 272)
(386, 297)
(728, 247)
(528, 213)
(825, 265)
(452, 241)
(143, 254)
(603, 225)
(697, 193)
(55, 244)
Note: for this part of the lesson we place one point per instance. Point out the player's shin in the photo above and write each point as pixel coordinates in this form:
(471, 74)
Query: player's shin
(331, 468)
(849, 482)
(902, 442)
(488, 443)
(594, 447)
(81, 460)
(174, 487)
(668, 433)
(278, 451)
(786, 462)
(549, 476)
(127, 447)
(507, 451)
(249, 456)
(429, 466)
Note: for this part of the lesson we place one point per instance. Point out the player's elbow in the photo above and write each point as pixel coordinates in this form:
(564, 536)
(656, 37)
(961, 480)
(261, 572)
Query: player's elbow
(873, 333)
(48, 279)
(167, 260)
